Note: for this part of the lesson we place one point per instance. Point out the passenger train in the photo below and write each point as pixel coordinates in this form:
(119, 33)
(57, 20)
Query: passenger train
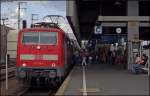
(44, 54)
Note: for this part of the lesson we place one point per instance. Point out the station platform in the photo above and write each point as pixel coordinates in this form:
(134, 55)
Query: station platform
(103, 79)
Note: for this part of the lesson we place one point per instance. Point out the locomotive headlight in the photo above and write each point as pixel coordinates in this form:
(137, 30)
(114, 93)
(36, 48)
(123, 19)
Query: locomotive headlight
(38, 47)
(53, 64)
(23, 64)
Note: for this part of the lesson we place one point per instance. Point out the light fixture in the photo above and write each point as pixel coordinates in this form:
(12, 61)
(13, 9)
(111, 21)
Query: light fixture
(117, 3)
(118, 30)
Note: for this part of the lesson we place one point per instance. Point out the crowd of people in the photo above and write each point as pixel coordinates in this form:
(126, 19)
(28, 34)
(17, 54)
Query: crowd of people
(108, 54)
(103, 54)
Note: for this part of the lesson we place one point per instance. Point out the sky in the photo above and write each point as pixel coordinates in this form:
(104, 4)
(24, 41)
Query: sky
(42, 8)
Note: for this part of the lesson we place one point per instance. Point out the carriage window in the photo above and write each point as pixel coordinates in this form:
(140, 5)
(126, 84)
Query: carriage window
(48, 38)
(30, 38)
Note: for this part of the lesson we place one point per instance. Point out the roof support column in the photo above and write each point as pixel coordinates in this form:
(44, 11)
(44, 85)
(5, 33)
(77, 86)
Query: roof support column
(133, 27)
(72, 16)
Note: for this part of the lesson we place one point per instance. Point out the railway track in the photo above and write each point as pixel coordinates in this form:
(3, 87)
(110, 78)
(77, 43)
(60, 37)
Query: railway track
(11, 70)
(12, 64)
(37, 92)
(11, 73)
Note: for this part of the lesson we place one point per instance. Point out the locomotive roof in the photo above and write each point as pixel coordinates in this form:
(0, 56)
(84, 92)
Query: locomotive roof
(44, 29)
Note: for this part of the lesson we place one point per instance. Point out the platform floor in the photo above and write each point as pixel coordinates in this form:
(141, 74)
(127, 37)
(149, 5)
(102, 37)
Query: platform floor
(102, 79)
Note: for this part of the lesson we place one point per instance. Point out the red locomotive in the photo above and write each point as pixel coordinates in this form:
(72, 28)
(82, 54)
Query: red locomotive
(43, 54)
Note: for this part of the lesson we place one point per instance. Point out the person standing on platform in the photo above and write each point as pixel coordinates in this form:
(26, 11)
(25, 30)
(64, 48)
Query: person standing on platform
(112, 50)
(96, 59)
(76, 57)
(109, 60)
(83, 59)
(90, 59)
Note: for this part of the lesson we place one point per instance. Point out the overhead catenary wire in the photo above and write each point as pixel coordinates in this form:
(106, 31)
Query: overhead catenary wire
(64, 26)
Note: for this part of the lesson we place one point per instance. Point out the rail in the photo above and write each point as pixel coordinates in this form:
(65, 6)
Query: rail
(9, 65)
(28, 91)
(11, 73)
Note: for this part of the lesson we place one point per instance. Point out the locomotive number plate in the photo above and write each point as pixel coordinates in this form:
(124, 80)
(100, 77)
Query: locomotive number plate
(38, 57)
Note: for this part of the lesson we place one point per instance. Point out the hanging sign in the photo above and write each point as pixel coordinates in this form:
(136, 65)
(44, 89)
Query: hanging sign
(98, 29)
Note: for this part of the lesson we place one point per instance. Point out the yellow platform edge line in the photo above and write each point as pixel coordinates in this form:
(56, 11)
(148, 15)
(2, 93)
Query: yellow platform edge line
(62, 88)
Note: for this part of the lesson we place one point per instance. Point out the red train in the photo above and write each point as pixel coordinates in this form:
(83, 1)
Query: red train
(43, 54)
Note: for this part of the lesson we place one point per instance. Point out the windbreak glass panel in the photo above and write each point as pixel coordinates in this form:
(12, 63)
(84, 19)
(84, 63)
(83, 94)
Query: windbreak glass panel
(30, 38)
(48, 38)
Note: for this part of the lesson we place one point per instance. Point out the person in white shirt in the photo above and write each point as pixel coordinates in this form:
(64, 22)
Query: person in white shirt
(84, 61)
(83, 58)
(112, 48)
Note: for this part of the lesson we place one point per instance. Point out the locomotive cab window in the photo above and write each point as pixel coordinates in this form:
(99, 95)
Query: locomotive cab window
(48, 38)
(30, 38)
(40, 38)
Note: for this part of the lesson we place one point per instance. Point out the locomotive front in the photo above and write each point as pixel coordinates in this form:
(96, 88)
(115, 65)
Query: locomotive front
(38, 55)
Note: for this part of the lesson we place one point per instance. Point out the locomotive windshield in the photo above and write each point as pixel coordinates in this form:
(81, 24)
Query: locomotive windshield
(48, 38)
(40, 38)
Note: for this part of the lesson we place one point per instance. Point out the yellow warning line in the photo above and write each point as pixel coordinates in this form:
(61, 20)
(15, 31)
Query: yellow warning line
(64, 85)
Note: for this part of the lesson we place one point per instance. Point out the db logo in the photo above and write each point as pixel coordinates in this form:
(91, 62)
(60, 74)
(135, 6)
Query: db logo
(38, 57)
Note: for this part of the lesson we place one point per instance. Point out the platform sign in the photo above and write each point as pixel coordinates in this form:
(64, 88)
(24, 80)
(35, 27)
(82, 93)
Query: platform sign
(98, 29)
